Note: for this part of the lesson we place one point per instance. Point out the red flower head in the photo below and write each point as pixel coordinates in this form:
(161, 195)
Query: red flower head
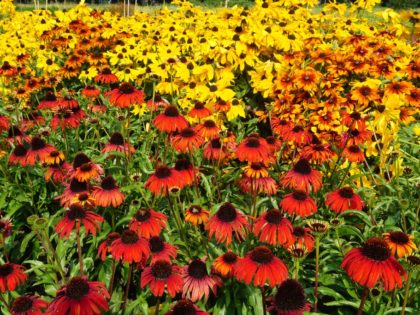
(317, 152)
(302, 177)
(158, 102)
(225, 222)
(353, 153)
(343, 199)
(15, 135)
(4, 123)
(187, 140)
(84, 169)
(130, 247)
(108, 193)
(186, 307)
(303, 238)
(11, 276)
(273, 228)
(215, 150)
(105, 247)
(38, 150)
(148, 223)
(199, 111)
(208, 129)
(163, 179)
(261, 264)
(298, 203)
(91, 91)
(80, 294)
(281, 126)
(225, 264)
(197, 282)
(170, 120)
(290, 299)
(160, 274)
(106, 77)
(117, 144)
(28, 305)
(49, 102)
(274, 144)
(125, 95)
(253, 149)
(160, 250)
(196, 215)
(18, 156)
(297, 135)
(263, 185)
(187, 171)
(77, 215)
(72, 191)
(57, 173)
(374, 263)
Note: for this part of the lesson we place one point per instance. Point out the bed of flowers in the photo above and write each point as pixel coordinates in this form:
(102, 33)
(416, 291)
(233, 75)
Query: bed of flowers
(233, 161)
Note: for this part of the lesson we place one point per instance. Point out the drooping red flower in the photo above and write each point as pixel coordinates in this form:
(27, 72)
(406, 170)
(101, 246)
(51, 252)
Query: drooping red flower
(163, 179)
(15, 135)
(11, 276)
(261, 265)
(303, 238)
(199, 111)
(105, 247)
(353, 153)
(187, 140)
(317, 152)
(28, 305)
(208, 129)
(302, 177)
(160, 250)
(299, 203)
(71, 191)
(108, 193)
(196, 215)
(297, 135)
(57, 173)
(188, 172)
(91, 91)
(125, 95)
(253, 149)
(157, 103)
(84, 169)
(130, 247)
(273, 228)
(18, 156)
(290, 299)
(106, 77)
(226, 222)
(344, 199)
(373, 263)
(68, 102)
(225, 264)
(170, 120)
(215, 150)
(79, 297)
(117, 144)
(49, 102)
(38, 151)
(263, 185)
(162, 274)
(186, 307)
(148, 223)
(4, 123)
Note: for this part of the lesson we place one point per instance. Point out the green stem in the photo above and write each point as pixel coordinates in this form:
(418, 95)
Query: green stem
(54, 253)
(127, 289)
(362, 301)
(157, 306)
(316, 273)
(5, 302)
(111, 283)
(79, 249)
(297, 262)
(406, 293)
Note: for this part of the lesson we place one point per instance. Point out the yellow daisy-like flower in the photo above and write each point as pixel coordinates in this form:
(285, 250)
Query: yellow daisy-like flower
(400, 243)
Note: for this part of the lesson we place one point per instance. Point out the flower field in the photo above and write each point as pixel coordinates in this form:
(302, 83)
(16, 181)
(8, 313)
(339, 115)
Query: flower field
(232, 161)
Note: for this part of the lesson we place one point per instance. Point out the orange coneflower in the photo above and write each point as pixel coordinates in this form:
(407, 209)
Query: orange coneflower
(163, 179)
(373, 263)
(297, 135)
(281, 126)
(184, 306)
(130, 247)
(355, 137)
(18, 156)
(225, 264)
(125, 95)
(344, 199)
(105, 247)
(215, 150)
(274, 144)
(65, 118)
(208, 129)
(108, 193)
(273, 228)
(15, 135)
(354, 120)
(68, 102)
(57, 172)
(262, 185)
(11, 276)
(84, 169)
(302, 177)
(160, 250)
(28, 305)
(160, 274)
(4, 123)
(196, 215)
(256, 170)
(106, 77)
(400, 243)
(170, 120)
(225, 222)
(290, 299)
(38, 151)
(303, 238)
(34, 119)
(261, 265)
(199, 111)
(188, 172)
(91, 91)
(157, 103)
(74, 188)
(187, 140)
(317, 152)
(148, 222)
(117, 144)
(253, 149)
(55, 158)
(353, 153)
(80, 294)
(298, 203)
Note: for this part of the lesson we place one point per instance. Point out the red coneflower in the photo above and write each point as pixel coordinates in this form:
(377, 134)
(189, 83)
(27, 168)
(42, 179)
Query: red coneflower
(274, 228)
(302, 177)
(108, 193)
(106, 77)
(77, 215)
(117, 144)
(163, 179)
(187, 171)
(105, 247)
(281, 126)
(148, 223)
(199, 111)
(125, 95)
(290, 299)
(65, 118)
(400, 243)
(256, 170)
(170, 120)
(157, 103)
(354, 154)
(84, 169)
(18, 156)
(186, 307)
(34, 119)
(160, 274)
(187, 140)
(225, 222)
(4, 123)
(261, 265)
(274, 144)
(196, 215)
(160, 250)
(91, 91)
(11, 276)
(354, 120)
(49, 102)
(58, 173)
(225, 264)
(374, 263)
(54, 158)
(197, 281)
(28, 305)
(262, 185)
(15, 135)
(68, 102)
(303, 238)
(297, 135)
(298, 203)
(355, 137)
(80, 294)
(317, 152)
(130, 247)
(344, 199)
(208, 129)
(38, 151)
(253, 149)
(215, 150)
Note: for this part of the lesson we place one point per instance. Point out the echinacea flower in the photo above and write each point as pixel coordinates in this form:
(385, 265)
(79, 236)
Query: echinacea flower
(125, 95)
(226, 222)
(297, 135)
(290, 299)
(299, 203)
(186, 307)
(148, 223)
(199, 111)
(208, 129)
(49, 102)
(117, 144)
(130, 247)
(170, 120)
(215, 150)
(187, 171)
(84, 169)
(273, 228)
(196, 215)
(105, 247)
(71, 191)
(197, 282)
(78, 215)
(187, 140)
(253, 149)
(343, 199)
(261, 265)
(106, 77)
(302, 177)
(317, 152)
(262, 185)
(6, 227)
(18, 156)
(108, 194)
(57, 173)
(91, 91)
(15, 135)
(28, 305)
(162, 274)
(160, 250)
(303, 238)
(400, 243)
(163, 179)
(225, 264)
(38, 151)
(55, 158)
(353, 153)
(80, 294)
(373, 263)
(11, 276)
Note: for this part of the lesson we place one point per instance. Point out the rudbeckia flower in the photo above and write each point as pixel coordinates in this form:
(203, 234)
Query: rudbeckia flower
(106, 77)
(400, 243)
(196, 215)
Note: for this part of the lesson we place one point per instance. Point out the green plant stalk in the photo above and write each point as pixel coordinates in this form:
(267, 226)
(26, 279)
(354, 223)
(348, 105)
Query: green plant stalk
(316, 273)
(406, 293)
(79, 248)
(297, 263)
(127, 289)
(363, 300)
(2, 241)
(111, 282)
(157, 306)
(5, 302)
(54, 253)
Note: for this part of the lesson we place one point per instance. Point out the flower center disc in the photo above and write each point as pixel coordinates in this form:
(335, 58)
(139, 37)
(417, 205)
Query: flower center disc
(129, 237)
(197, 269)
(274, 216)
(303, 167)
(77, 288)
(262, 255)
(162, 172)
(171, 111)
(117, 139)
(156, 244)
(399, 237)
(226, 212)
(290, 296)
(346, 192)
(376, 249)
(161, 269)
(22, 304)
(6, 270)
